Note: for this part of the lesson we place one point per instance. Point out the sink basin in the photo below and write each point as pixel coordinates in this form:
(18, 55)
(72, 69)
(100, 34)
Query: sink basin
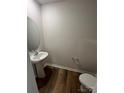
(38, 57)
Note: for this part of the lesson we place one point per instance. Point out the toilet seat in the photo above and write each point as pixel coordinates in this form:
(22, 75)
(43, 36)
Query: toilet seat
(88, 80)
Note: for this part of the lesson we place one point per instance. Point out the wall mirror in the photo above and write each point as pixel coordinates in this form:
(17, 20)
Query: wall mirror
(33, 35)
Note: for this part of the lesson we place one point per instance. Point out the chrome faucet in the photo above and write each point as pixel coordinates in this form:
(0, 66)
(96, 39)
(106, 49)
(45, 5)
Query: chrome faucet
(35, 52)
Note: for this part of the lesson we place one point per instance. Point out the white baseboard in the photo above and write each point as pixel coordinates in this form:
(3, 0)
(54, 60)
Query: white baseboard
(70, 69)
(66, 68)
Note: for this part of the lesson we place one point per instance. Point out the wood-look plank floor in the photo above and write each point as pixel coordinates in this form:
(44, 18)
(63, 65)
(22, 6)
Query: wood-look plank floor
(60, 81)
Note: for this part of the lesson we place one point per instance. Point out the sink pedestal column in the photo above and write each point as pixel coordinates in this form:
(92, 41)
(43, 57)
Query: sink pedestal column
(42, 73)
(39, 69)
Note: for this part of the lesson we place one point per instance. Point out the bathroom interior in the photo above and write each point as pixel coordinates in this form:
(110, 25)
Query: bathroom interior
(62, 45)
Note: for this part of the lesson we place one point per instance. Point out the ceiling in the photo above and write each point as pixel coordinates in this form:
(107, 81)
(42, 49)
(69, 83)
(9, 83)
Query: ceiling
(47, 1)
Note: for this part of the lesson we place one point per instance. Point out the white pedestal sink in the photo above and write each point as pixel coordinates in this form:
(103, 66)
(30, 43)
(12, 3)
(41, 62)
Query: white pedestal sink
(38, 58)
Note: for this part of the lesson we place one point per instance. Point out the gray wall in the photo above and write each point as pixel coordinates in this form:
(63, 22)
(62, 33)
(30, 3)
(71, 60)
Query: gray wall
(70, 30)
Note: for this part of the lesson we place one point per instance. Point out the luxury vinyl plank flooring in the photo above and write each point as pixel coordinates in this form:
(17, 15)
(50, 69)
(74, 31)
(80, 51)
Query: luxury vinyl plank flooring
(61, 81)
(72, 83)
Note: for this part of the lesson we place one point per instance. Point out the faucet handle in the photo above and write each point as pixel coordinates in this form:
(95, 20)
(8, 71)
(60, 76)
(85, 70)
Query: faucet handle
(39, 50)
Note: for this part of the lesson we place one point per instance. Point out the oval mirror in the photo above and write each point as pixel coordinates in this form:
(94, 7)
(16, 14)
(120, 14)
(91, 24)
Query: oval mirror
(33, 35)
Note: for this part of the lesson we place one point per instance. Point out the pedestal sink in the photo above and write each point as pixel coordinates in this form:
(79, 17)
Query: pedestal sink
(38, 58)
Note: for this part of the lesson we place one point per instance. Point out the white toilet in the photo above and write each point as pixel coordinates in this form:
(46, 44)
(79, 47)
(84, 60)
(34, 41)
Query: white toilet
(88, 81)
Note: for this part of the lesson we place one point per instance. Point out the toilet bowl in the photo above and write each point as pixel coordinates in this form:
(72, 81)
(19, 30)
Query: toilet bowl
(88, 81)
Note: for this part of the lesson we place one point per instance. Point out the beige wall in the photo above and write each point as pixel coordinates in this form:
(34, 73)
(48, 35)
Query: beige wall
(70, 30)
